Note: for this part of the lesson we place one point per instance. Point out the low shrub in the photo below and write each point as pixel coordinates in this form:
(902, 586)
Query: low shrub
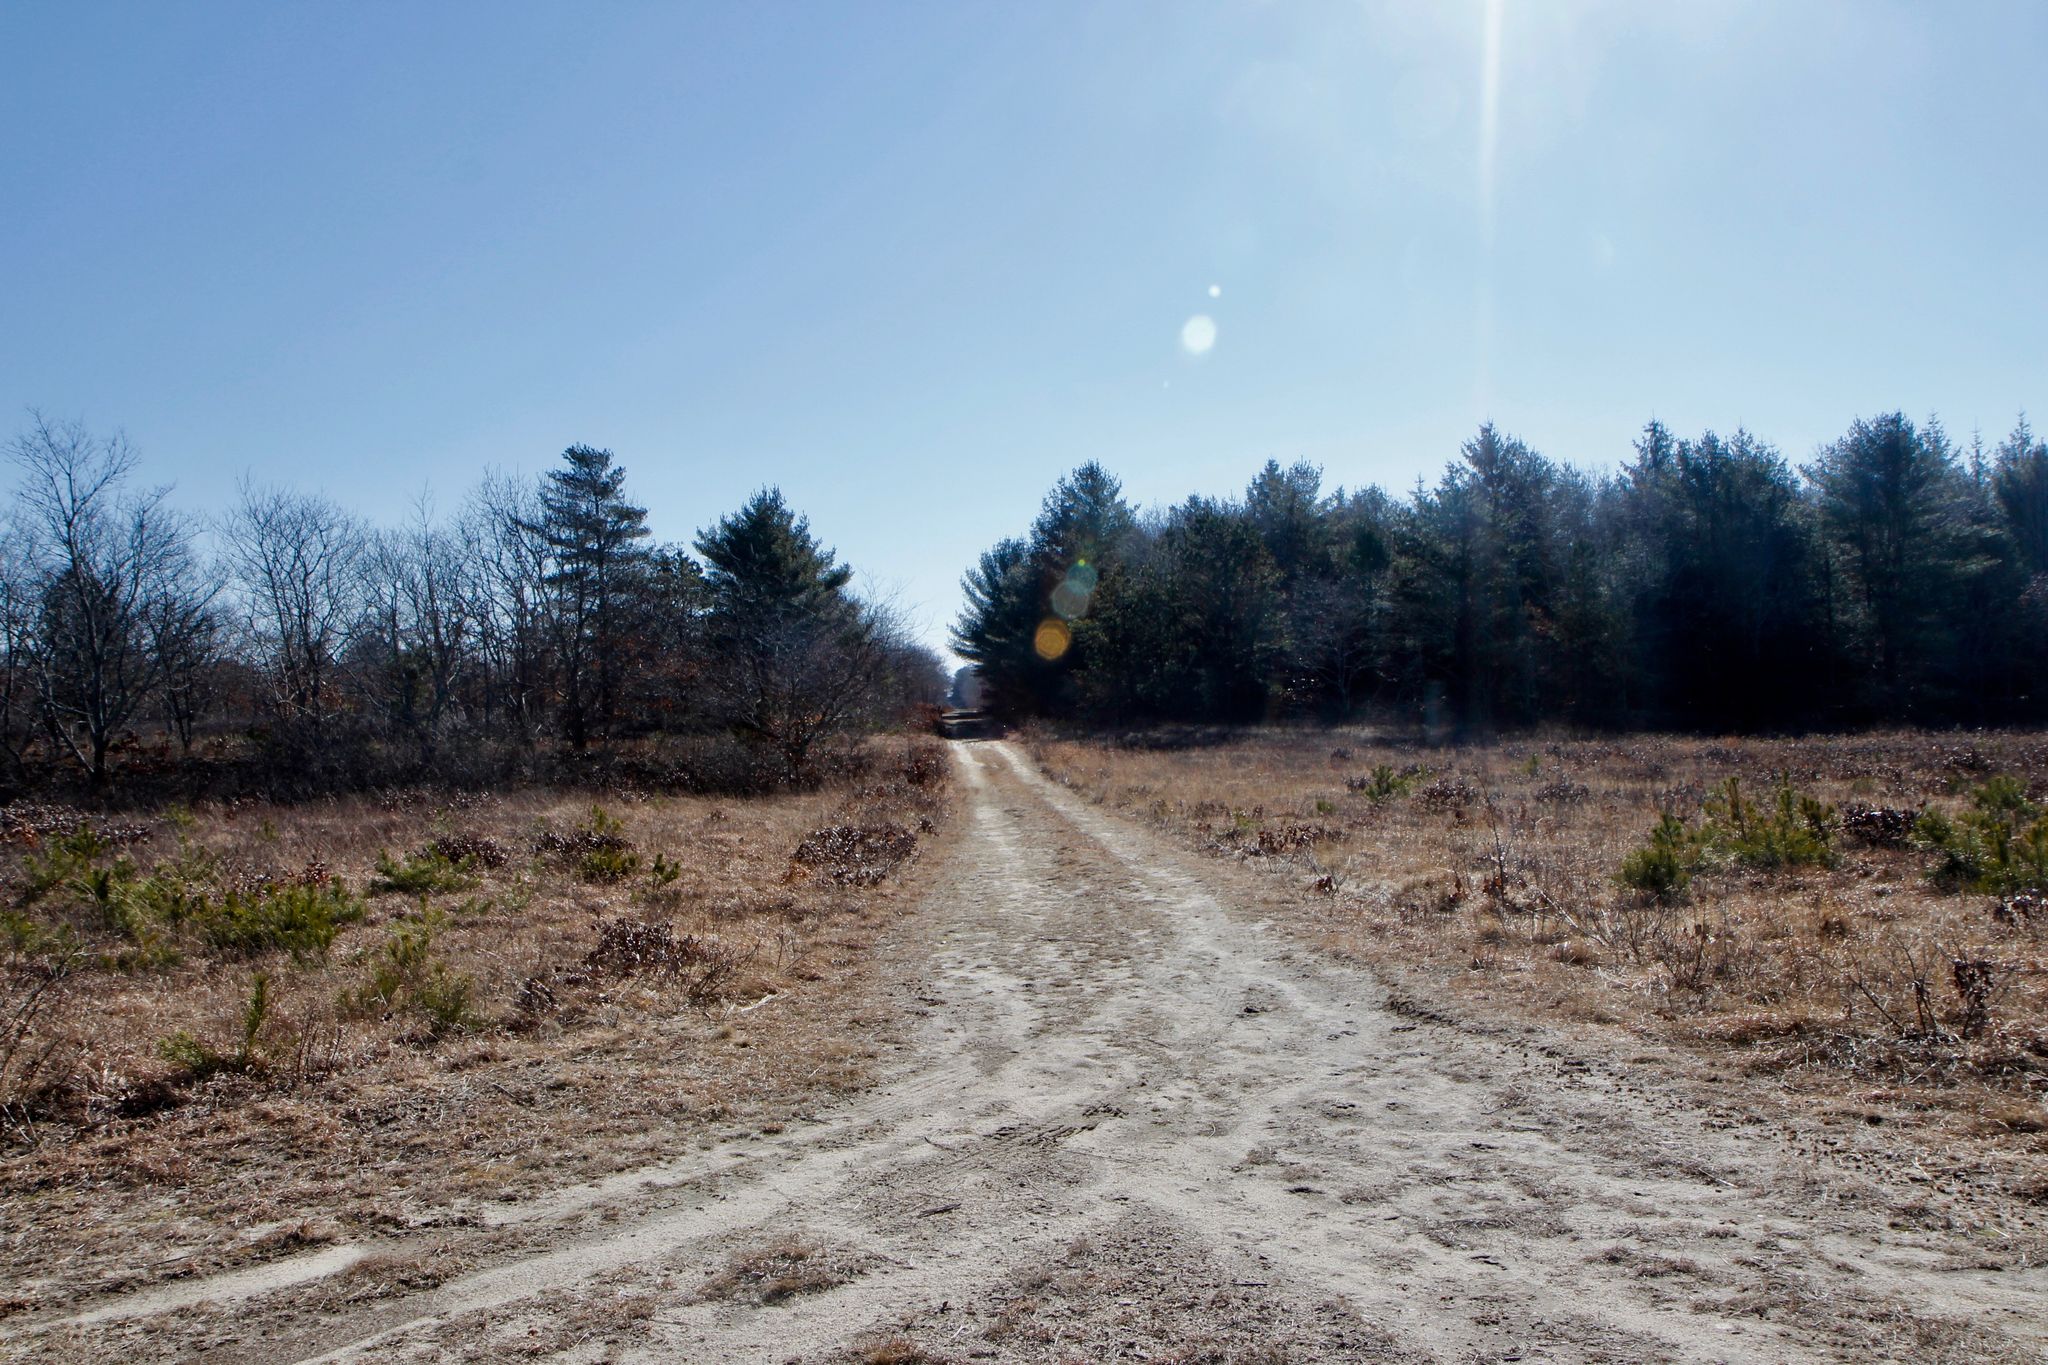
(474, 850)
(405, 976)
(1998, 846)
(1383, 783)
(607, 865)
(27, 938)
(63, 862)
(425, 873)
(198, 1059)
(1663, 867)
(1794, 832)
(285, 916)
(598, 849)
(855, 855)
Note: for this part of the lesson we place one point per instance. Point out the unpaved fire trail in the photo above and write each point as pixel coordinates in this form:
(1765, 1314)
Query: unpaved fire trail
(1138, 1123)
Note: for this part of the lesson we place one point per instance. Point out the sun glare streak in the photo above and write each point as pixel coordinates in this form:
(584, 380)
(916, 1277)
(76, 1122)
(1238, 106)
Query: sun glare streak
(1489, 145)
(1489, 115)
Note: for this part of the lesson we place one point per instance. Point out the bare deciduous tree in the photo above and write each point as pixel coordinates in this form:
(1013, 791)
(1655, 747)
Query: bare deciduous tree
(18, 711)
(507, 567)
(297, 560)
(102, 564)
(416, 636)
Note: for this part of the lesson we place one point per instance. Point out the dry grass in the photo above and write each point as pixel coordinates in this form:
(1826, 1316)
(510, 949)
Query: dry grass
(575, 996)
(782, 1269)
(1864, 985)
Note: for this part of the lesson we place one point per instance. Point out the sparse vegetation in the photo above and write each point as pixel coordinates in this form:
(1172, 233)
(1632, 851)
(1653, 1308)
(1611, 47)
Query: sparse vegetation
(1663, 867)
(301, 918)
(405, 975)
(1997, 844)
(1875, 919)
(781, 1270)
(596, 849)
(319, 1027)
(1383, 784)
(428, 872)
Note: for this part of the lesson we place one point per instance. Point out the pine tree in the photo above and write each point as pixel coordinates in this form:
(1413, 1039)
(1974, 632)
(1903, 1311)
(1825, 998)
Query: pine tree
(997, 628)
(1890, 499)
(795, 659)
(593, 535)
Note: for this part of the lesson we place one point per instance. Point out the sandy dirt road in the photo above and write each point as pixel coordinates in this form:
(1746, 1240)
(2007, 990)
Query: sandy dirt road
(1135, 1122)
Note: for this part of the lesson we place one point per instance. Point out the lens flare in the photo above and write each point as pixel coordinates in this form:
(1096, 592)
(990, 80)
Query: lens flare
(1198, 334)
(1052, 638)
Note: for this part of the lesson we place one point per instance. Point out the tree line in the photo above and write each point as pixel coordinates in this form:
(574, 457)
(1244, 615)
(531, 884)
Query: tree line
(1706, 585)
(292, 642)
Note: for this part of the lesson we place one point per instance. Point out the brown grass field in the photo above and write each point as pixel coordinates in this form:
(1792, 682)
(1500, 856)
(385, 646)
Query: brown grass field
(1862, 988)
(557, 996)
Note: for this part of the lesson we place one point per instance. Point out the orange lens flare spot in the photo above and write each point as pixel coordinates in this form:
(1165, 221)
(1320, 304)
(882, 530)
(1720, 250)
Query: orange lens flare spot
(1052, 639)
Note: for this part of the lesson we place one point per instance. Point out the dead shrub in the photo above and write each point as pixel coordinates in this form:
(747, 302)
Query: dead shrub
(855, 855)
(898, 1351)
(36, 1058)
(1559, 791)
(629, 947)
(31, 824)
(536, 998)
(703, 963)
(1447, 794)
(780, 1270)
(1285, 839)
(600, 833)
(2021, 911)
(598, 849)
(1879, 826)
(924, 766)
(475, 849)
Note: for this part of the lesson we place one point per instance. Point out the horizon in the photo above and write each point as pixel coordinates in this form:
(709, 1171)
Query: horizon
(376, 253)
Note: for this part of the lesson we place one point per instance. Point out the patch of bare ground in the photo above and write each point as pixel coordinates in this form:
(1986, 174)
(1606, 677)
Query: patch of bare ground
(1897, 1016)
(781, 1269)
(1140, 1289)
(238, 1035)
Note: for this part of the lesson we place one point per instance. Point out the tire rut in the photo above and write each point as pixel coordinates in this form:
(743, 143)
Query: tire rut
(1122, 1081)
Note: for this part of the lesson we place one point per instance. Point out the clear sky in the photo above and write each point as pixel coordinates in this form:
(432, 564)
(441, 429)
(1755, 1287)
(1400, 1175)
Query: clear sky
(913, 261)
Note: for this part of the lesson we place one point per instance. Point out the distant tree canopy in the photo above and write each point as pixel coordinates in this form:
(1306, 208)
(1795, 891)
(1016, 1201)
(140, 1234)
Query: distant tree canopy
(318, 652)
(1705, 585)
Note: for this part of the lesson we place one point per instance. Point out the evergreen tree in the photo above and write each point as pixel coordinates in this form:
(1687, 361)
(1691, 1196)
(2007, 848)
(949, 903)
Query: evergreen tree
(1890, 498)
(2019, 481)
(593, 535)
(794, 659)
(1723, 599)
(997, 630)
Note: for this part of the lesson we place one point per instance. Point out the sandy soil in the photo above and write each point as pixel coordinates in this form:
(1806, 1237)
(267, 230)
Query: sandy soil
(1134, 1121)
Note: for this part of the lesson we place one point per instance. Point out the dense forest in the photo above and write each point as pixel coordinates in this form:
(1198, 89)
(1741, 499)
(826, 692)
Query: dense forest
(287, 646)
(1706, 585)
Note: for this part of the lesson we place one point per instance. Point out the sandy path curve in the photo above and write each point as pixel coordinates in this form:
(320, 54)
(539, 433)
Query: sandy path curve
(1137, 1121)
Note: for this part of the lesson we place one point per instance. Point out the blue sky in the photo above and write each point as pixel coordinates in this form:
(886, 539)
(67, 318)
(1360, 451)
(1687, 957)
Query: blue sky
(911, 262)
